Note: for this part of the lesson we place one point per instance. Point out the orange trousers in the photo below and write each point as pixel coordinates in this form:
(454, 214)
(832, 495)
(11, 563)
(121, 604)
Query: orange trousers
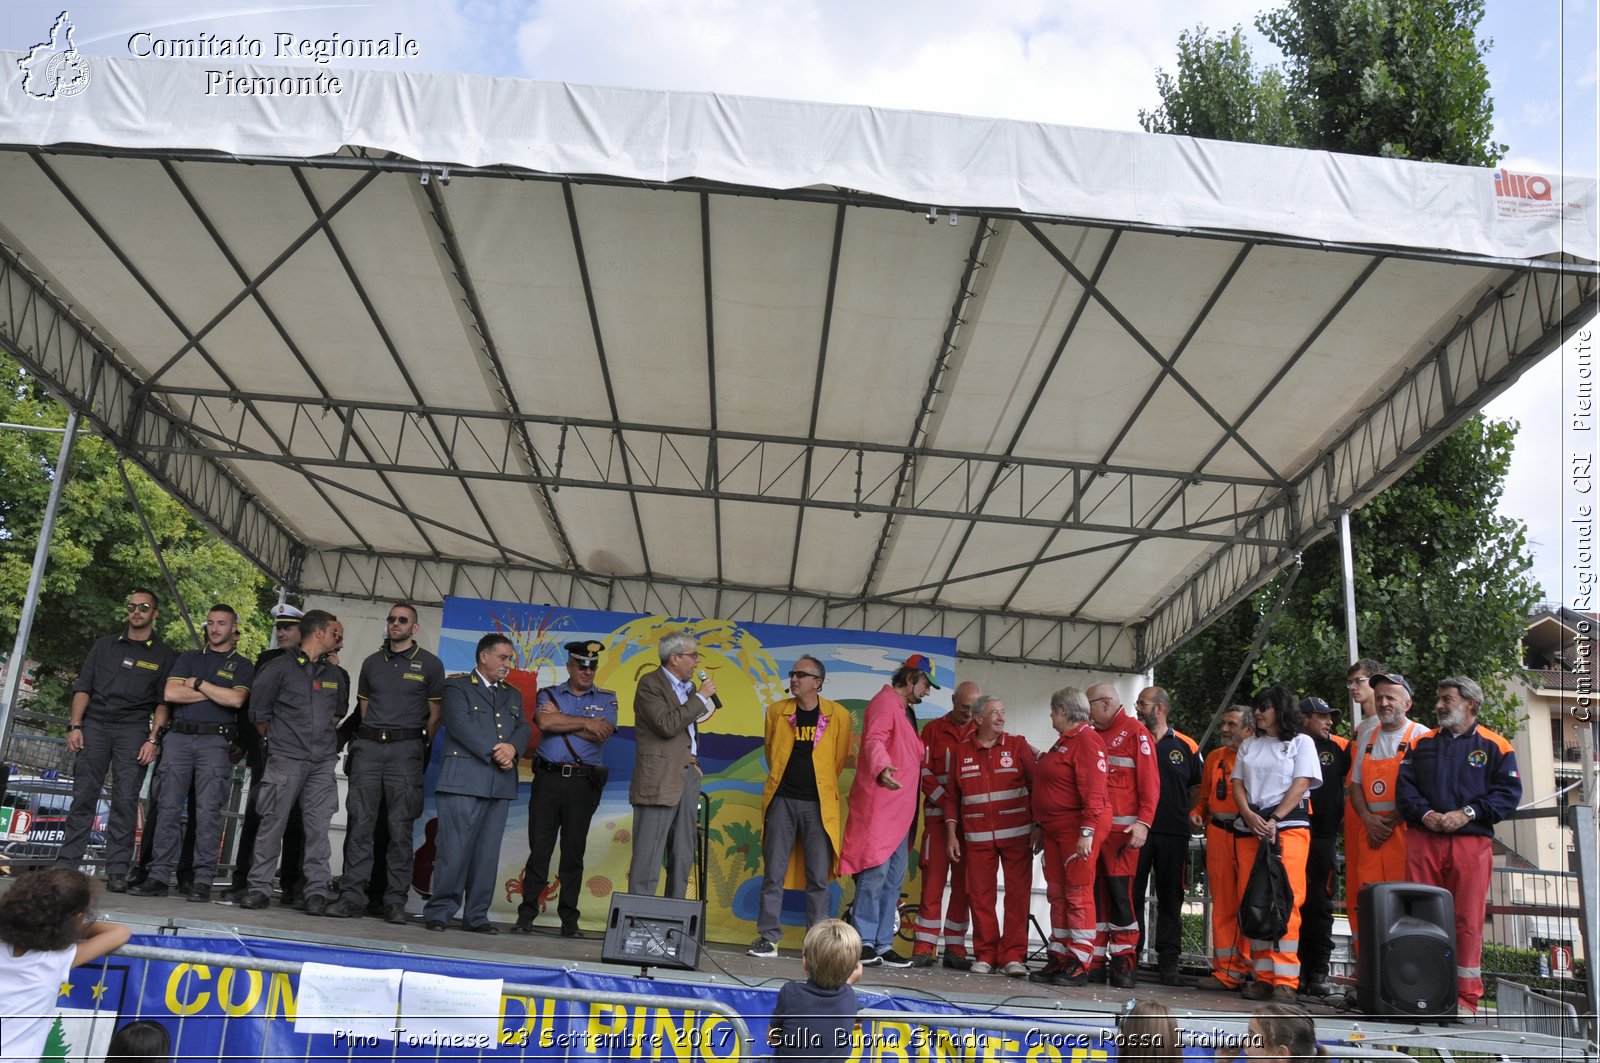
(1363, 864)
(1230, 950)
(1278, 962)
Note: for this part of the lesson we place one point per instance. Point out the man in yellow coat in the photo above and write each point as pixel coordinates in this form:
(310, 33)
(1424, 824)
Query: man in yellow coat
(807, 741)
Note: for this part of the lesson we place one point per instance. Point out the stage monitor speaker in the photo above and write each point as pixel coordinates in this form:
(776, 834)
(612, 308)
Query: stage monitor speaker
(646, 931)
(1407, 961)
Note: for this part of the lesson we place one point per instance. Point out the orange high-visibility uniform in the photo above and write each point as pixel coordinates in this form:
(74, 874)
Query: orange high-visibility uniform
(1230, 950)
(990, 792)
(1363, 863)
(1277, 962)
(934, 918)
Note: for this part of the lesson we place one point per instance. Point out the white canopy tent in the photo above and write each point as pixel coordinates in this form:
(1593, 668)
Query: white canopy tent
(1065, 395)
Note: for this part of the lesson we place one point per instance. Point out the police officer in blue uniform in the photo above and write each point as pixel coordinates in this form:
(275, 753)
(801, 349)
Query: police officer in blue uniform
(576, 718)
(484, 736)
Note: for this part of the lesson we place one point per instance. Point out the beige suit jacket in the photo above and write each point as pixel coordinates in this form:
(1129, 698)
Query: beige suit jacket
(661, 740)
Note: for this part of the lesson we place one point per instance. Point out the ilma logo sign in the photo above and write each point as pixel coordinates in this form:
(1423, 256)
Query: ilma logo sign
(1524, 195)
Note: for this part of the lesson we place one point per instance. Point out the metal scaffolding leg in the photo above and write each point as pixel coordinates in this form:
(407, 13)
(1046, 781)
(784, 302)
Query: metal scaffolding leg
(155, 548)
(30, 602)
(1347, 563)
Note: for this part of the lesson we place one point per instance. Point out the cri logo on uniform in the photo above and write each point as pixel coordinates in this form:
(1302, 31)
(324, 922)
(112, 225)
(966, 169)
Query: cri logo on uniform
(1522, 186)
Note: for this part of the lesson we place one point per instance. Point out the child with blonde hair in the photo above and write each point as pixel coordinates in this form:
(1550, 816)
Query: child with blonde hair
(816, 1018)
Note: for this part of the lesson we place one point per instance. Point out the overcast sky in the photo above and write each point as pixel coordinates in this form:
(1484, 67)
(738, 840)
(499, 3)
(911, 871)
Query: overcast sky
(1069, 62)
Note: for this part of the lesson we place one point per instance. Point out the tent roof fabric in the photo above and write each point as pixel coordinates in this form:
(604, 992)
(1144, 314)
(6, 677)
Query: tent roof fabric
(707, 356)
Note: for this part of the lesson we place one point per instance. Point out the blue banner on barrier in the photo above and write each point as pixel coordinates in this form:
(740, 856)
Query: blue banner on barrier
(237, 1012)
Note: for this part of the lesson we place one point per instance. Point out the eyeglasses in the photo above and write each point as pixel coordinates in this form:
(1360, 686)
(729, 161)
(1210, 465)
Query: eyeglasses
(804, 675)
(1357, 681)
(397, 620)
(1103, 697)
(140, 607)
(695, 655)
(577, 667)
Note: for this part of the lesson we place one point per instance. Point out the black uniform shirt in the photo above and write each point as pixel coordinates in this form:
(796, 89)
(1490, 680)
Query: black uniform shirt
(220, 669)
(399, 686)
(300, 701)
(1327, 800)
(1180, 762)
(123, 678)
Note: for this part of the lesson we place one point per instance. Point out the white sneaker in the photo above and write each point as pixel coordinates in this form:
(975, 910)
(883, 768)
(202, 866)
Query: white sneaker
(1015, 970)
(982, 968)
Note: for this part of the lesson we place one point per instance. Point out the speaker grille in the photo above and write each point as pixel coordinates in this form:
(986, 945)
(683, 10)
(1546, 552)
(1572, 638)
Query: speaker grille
(1418, 972)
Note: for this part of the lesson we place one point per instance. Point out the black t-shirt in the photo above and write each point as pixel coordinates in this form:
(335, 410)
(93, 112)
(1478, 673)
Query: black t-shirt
(227, 670)
(1327, 800)
(799, 780)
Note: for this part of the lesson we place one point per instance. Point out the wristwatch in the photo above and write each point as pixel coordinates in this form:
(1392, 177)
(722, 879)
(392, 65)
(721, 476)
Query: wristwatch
(1087, 832)
(74, 726)
(1471, 812)
(195, 683)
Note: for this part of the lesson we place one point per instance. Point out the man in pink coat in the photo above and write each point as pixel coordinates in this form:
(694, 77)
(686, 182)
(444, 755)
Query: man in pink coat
(883, 808)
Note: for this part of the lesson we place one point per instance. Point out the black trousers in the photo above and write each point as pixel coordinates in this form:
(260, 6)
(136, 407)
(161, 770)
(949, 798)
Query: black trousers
(1316, 914)
(557, 806)
(1164, 857)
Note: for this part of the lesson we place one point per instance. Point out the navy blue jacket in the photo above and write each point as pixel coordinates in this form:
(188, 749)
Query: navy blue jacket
(1444, 771)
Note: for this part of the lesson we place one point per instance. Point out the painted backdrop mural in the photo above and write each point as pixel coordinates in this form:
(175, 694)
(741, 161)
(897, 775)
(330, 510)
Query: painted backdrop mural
(750, 663)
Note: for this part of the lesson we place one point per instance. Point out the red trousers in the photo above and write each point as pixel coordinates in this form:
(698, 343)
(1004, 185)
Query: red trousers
(1116, 929)
(1069, 887)
(1230, 950)
(1462, 864)
(935, 872)
(985, 861)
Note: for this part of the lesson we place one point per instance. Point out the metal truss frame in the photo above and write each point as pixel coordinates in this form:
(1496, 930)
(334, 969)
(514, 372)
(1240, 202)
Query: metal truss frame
(43, 332)
(1477, 359)
(191, 439)
(1013, 637)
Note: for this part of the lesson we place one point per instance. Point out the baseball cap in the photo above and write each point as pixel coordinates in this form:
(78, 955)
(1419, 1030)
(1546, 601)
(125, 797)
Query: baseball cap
(1314, 706)
(921, 663)
(1394, 678)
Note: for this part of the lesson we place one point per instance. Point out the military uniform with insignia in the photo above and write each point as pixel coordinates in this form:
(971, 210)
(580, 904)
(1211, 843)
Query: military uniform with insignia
(576, 718)
(484, 735)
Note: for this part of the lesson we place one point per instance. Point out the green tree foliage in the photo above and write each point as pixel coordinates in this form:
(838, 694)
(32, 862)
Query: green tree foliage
(1442, 583)
(1219, 93)
(1399, 78)
(99, 550)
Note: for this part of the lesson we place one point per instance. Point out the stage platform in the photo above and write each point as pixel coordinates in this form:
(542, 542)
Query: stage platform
(728, 965)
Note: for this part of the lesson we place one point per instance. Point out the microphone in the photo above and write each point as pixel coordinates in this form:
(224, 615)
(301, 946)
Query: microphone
(716, 702)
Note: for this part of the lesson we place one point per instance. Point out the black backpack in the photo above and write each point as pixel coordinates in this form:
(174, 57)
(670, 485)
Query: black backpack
(1268, 899)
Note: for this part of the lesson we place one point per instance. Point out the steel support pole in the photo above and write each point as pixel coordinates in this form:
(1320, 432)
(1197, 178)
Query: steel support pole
(161, 561)
(1581, 819)
(1255, 649)
(1348, 565)
(30, 601)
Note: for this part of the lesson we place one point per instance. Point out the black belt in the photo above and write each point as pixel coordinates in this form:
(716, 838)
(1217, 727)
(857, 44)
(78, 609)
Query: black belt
(564, 770)
(1223, 824)
(184, 728)
(397, 734)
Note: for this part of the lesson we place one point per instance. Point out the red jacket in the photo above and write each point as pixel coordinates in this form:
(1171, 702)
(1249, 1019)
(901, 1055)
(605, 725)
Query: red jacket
(1134, 785)
(1069, 782)
(940, 737)
(990, 787)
